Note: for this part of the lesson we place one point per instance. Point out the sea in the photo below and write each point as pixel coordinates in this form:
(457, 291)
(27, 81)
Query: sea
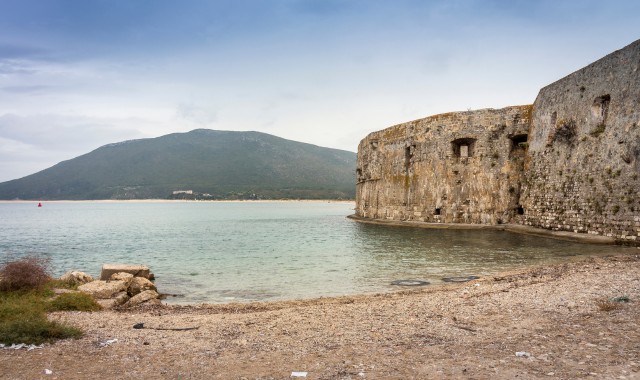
(220, 252)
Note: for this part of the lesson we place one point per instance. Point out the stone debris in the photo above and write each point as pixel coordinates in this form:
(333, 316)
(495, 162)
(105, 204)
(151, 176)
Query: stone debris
(139, 285)
(19, 346)
(106, 343)
(136, 270)
(131, 287)
(75, 277)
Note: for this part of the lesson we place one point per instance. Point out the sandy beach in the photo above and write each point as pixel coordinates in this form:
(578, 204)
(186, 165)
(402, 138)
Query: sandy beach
(549, 322)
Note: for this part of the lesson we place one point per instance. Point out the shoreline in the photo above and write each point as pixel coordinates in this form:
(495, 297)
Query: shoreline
(515, 228)
(557, 316)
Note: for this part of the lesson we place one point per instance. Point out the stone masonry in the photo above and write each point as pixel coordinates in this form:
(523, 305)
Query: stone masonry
(570, 162)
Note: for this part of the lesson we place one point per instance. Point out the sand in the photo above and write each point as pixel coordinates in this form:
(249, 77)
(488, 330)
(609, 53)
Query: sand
(559, 318)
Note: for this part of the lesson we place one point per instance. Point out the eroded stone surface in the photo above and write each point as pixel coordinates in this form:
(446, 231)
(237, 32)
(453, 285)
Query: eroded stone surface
(145, 296)
(76, 277)
(122, 276)
(139, 285)
(136, 270)
(570, 162)
(102, 289)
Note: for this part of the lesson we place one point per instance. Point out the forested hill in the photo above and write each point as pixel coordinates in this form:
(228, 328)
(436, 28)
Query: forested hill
(211, 164)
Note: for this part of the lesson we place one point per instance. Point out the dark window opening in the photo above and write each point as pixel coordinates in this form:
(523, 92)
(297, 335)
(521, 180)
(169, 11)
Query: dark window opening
(436, 211)
(463, 148)
(519, 144)
(408, 155)
(520, 210)
(359, 174)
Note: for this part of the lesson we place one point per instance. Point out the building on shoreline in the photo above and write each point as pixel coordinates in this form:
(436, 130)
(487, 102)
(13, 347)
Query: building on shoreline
(569, 162)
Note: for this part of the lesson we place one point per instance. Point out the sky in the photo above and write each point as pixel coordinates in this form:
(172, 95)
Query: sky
(79, 74)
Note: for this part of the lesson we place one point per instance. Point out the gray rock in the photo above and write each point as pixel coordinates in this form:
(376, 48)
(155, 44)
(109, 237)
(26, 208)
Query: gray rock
(139, 285)
(146, 296)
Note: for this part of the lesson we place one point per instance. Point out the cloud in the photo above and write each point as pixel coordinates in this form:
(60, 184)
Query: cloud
(202, 116)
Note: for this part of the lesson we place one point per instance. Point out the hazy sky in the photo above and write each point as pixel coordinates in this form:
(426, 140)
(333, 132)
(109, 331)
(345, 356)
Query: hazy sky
(78, 74)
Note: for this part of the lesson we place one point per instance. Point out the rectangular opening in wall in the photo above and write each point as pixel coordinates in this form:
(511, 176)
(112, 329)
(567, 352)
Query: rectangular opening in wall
(520, 210)
(436, 211)
(518, 145)
(408, 155)
(463, 147)
(600, 107)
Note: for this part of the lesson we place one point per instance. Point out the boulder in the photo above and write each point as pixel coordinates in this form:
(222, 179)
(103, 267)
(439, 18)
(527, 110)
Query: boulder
(139, 285)
(76, 277)
(117, 300)
(146, 296)
(122, 276)
(102, 289)
(135, 270)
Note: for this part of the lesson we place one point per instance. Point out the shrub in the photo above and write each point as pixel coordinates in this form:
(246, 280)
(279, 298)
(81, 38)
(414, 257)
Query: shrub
(604, 304)
(74, 302)
(25, 274)
(23, 320)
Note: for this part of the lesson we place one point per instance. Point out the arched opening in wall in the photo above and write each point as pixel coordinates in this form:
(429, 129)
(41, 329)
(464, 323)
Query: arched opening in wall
(463, 148)
(518, 145)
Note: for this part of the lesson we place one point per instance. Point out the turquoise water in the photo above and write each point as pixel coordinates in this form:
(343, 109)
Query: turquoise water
(247, 251)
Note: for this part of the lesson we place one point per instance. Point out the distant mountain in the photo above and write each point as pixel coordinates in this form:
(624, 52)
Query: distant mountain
(211, 164)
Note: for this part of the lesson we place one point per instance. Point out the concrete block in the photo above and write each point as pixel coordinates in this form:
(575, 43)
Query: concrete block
(135, 270)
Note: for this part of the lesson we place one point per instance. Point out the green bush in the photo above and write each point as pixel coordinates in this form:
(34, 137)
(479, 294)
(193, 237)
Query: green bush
(23, 319)
(74, 302)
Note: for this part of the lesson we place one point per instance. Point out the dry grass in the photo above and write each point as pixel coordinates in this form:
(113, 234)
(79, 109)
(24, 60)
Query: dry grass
(24, 274)
(605, 304)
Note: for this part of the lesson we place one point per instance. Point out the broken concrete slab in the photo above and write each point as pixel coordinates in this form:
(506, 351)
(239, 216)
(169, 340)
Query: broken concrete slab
(135, 270)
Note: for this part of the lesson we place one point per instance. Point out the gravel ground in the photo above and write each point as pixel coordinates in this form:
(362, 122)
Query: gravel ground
(559, 317)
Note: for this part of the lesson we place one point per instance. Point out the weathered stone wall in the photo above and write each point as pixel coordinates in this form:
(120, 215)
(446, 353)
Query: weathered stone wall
(578, 170)
(461, 167)
(584, 151)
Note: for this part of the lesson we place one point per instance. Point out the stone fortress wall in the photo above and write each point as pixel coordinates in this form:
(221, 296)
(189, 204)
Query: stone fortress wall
(569, 163)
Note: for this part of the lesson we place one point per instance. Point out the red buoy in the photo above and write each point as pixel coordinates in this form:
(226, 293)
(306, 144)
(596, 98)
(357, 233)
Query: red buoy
(39, 204)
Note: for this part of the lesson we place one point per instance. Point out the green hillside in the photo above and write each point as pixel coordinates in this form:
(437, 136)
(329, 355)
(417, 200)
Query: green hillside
(222, 164)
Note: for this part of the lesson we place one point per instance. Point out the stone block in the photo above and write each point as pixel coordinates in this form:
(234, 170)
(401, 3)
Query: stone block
(136, 270)
(102, 289)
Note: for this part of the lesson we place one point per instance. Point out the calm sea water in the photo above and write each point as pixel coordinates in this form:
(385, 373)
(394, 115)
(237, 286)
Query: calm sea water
(246, 251)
